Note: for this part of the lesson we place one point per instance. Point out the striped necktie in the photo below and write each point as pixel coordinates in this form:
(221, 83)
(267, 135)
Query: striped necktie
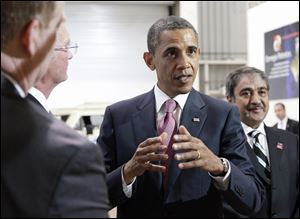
(260, 152)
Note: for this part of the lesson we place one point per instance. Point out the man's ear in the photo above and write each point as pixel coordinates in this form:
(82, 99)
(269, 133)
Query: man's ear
(29, 36)
(148, 57)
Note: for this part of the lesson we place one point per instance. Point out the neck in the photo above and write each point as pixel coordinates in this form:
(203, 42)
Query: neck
(45, 85)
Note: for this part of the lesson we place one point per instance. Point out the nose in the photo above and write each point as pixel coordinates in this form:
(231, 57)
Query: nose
(183, 62)
(255, 98)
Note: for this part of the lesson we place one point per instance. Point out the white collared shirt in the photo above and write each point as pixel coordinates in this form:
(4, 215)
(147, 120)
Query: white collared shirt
(40, 97)
(15, 83)
(282, 123)
(161, 98)
(262, 137)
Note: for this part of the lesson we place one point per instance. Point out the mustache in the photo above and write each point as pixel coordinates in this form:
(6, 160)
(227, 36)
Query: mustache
(254, 106)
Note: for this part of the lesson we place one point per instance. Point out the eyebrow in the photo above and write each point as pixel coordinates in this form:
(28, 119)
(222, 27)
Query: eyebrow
(250, 89)
(170, 48)
(175, 47)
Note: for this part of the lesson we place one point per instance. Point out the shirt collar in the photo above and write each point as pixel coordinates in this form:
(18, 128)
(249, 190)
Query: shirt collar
(247, 129)
(15, 83)
(39, 96)
(161, 97)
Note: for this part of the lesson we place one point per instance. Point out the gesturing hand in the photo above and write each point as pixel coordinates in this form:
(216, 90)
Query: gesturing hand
(194, 153)
(149, 150)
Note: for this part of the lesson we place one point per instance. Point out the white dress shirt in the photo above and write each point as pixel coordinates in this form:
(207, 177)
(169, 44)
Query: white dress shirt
(262, 137)
(282, 123)
(40, 97)
(160, 98)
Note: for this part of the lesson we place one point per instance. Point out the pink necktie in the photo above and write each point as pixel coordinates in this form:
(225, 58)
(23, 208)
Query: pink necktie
(168, 124)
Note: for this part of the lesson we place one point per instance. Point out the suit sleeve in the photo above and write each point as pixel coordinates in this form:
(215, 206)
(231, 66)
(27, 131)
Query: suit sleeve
(81, 189)
(107, 142)
(246, 192)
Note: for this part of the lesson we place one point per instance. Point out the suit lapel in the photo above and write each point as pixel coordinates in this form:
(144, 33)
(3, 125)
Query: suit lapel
(144, 126)
(193, 117)
(144, 120)
(288, 125)
(33, 99)
(274, 153)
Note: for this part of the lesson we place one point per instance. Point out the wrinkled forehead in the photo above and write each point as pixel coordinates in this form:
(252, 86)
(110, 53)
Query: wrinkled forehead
(253, 81)
(186, 36)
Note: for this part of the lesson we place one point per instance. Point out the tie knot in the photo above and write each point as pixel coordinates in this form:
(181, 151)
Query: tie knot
(254, 133)
(170, 106)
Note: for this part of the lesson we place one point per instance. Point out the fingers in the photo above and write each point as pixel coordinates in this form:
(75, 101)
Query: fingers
(183, 135)
(151, 149)
(190, 155)
(151, 157)
(182, 130)
(155, 168)
(190, 164)
(186, 146)
(151, 141)
(155, 148)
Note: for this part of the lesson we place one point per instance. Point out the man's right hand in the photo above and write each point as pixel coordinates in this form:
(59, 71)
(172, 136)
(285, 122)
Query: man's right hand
(149, 150)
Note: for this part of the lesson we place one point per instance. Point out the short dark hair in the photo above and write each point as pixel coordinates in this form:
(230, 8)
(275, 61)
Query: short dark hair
(234, 77)
(166, 23)
(281, 104)
(16, 14)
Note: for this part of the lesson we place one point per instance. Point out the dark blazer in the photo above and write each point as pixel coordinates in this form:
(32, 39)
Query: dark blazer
(47, 169)
(190, 193)
(33, 99)
(283, 192)
(291, 126)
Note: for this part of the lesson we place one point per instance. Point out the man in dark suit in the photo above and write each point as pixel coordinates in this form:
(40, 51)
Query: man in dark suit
(47, 169)
(284, 122)
(148, 176)
(273, 152)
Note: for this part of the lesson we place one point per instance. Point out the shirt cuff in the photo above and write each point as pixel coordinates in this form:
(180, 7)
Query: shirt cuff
(222, 182)
(127, 189)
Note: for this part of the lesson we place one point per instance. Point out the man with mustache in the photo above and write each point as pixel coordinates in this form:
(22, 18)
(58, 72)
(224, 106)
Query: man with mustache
(273, 152)
(173, 152)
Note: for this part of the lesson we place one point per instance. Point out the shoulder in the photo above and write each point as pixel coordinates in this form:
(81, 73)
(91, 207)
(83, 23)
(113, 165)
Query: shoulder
(213, 103)
(59, 140)
(293, 121)
(273, 131)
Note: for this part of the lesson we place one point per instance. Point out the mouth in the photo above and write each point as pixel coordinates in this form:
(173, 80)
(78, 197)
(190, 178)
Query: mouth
(183, 78)
(256, 109)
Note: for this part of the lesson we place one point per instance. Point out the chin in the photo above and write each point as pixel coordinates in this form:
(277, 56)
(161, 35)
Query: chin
(185, 89)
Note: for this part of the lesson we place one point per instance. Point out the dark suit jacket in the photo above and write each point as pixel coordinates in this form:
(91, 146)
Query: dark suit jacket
(291, 126)
(47, 169)
(190, 193)
(283, 192)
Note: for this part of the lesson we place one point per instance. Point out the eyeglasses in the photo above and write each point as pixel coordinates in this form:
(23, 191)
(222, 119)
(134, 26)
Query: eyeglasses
(70, 48)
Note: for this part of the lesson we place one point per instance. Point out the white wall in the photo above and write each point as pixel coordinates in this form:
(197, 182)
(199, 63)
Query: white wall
(261, 19)
(109, 65)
